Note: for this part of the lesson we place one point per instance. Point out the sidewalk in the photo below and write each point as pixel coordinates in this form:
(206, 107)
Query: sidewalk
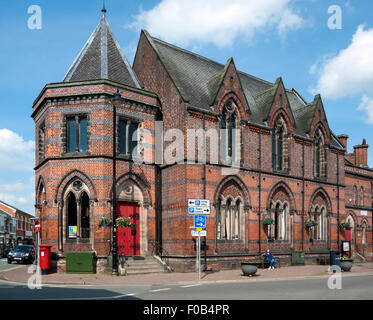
(20, 275)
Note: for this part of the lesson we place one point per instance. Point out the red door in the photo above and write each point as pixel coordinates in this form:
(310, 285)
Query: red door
(128, 239)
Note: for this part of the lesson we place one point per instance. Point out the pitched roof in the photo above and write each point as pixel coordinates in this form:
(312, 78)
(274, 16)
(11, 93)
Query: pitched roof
(198, 78)
(102, 58)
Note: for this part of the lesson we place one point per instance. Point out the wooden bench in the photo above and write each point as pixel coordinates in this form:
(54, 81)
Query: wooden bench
(265, 262)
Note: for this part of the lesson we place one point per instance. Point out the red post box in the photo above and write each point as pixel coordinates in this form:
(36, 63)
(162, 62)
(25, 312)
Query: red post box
(45, 258)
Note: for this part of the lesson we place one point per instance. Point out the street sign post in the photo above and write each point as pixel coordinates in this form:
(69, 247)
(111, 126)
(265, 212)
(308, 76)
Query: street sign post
(199, 207)
(199, 221)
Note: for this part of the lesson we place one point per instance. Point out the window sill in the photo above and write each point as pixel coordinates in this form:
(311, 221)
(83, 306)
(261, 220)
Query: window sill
(233, 241)
(287, 172)
(75, 154)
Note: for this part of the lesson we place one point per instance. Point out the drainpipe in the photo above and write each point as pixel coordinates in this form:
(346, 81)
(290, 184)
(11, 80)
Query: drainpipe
(338, 199)
(303, 190)
(204, 184)
(260, 190)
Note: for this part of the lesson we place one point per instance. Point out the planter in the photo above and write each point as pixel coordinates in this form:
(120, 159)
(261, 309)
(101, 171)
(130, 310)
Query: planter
(346, 265)
(248, 269)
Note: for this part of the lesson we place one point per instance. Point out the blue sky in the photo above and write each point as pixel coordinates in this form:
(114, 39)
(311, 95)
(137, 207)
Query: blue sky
(268, 39)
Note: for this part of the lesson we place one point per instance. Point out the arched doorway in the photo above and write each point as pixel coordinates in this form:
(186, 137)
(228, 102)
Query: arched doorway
(130, 204)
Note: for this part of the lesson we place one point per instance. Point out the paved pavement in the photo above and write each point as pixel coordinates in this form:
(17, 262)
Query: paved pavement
(21, 274)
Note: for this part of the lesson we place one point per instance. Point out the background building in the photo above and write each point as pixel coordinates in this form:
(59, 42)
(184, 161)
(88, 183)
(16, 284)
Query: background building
(16, 227)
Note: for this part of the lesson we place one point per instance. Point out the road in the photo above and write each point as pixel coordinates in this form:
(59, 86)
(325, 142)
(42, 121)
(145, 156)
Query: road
(353, 288)
(5, 266)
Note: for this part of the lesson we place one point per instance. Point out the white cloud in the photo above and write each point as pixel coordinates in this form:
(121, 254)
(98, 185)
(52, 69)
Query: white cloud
(216, 21)
(15, 153)
(16, 170)
(348, 72)
(367, 106)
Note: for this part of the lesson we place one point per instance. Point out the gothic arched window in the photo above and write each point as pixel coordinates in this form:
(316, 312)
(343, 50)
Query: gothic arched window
(279, 213)
(355, 196)
(318, 215)
(77, 211)
(362, 196)
(229, 139)
(319, 155)
(228, 219)
(279, 146)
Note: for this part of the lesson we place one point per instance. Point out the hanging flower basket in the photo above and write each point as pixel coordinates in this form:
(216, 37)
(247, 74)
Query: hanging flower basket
(310, 223)
(105, 223)
(268, 221)
(345, 225)
(123, 222)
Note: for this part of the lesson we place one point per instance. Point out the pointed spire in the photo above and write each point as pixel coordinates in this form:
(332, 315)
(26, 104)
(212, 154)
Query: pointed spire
(102, 58)
(103, 10)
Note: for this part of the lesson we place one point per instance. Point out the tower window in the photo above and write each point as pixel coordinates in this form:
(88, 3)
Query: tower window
(77, 134)
(127, 136)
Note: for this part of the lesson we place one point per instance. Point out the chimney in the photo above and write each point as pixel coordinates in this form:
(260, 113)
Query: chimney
(343, 139)
(361, 154)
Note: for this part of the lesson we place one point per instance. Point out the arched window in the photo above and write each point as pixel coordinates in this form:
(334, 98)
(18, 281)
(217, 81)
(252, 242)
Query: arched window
(229, 138)
(72, 216)
(280, 146)
(228, 219)
(77, 211)
(362, 196)
(319, 155)
(318, 215)
(84, 216)
(355, 195)
(364, 234)
(279, 214)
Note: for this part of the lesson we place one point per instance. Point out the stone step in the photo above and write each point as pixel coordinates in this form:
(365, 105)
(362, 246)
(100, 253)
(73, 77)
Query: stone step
(141, 265)
(149, 266)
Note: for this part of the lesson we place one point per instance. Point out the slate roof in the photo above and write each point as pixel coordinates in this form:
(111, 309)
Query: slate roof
(102, 58)
(198, 78)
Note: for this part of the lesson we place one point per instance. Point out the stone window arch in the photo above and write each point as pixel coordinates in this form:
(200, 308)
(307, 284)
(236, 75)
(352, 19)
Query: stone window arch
(280, 146)
(77, 220)
(355, 196)
(279, 212)
(362, 196)
(229, 216)
(230, 133)
(319, 215)
(364, 227)
(319, 155)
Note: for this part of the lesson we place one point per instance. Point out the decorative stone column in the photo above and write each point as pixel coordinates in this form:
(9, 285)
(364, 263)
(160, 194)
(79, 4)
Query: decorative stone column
(60, 226)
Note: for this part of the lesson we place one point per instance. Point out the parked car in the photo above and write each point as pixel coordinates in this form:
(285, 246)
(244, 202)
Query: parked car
(22, 254)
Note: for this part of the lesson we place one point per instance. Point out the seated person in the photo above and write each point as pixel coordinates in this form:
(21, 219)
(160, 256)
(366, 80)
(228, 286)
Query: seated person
(272, 261)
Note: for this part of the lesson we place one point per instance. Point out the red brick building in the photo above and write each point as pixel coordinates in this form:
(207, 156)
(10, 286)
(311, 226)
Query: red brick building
(277, 158)
(16, 226)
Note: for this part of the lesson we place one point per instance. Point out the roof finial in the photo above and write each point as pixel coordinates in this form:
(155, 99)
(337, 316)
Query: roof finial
(103, 10)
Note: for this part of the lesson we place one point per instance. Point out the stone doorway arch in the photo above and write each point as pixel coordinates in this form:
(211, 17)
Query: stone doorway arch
(129, 192)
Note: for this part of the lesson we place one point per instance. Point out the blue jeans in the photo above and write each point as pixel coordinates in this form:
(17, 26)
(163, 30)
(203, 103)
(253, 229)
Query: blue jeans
(272, 263)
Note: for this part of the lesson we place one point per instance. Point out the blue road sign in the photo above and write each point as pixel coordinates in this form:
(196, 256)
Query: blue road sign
(199, 221)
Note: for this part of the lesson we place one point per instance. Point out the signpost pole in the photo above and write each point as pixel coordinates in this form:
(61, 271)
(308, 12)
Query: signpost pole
(199, 257)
